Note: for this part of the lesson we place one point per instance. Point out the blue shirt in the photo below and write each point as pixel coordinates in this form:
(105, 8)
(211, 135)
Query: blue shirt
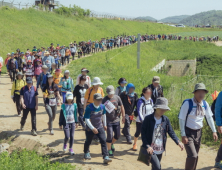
(29, 96)
(42, 80)
(48, 61)
(95, 115)
(218, 110)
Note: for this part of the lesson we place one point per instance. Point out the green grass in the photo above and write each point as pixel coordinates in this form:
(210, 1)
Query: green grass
(29, 160)
(205, 32)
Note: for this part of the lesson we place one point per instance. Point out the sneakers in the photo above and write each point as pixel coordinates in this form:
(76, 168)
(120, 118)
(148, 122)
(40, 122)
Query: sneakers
(218, 165)
(51, 132)
(96, 141)
(112, 148)
(71, 151)
(87, 156)
(107, 160)
(135, 147)
(110, 152)
(129, 142)
(22, 128)
(34, 133)
(64, 147)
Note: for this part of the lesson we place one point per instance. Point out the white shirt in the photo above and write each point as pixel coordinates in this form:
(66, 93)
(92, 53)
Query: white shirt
(88, 80)
(193, 121)
(157, 141)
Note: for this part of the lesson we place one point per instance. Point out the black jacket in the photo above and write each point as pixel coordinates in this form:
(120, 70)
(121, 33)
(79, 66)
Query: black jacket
(159, 92)
(148, 127)
(19, 61)
(129, 108)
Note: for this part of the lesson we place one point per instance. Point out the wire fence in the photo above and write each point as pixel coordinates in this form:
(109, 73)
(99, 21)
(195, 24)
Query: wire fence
(17, 5)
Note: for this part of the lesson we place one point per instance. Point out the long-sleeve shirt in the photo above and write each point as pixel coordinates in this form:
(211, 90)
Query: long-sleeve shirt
(66, 84)
(17, 87)
(8, 64)
(218, 110)
(48, 61)
(73, 49)
(62, 52)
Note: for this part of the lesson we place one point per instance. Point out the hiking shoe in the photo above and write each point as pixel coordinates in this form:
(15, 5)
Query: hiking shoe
(87, 156)
(135, 147)
(51, 132)
(34, 133)
(96, 141)
(20, 114)
(107, 160)
(110, 153)
(22, 128)
(129, 142)
(71, 151)
(112, 148)
(218, 165)
(64, 147)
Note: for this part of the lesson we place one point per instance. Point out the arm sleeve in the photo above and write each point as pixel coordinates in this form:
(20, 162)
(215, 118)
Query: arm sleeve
(104, 119)
(211, 123)
(172, 133)
(13, 89)
(117, 91)
(72, 84)
(182, 127)
(74, 92)
(183, 110)
(140, 110)
(218, 109)
(89, 124)
(89, 82)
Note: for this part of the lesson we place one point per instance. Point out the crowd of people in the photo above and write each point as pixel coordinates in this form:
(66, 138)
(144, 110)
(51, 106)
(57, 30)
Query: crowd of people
(82, 102)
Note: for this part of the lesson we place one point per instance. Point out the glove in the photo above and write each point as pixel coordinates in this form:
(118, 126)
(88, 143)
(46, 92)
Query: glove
(12, 97)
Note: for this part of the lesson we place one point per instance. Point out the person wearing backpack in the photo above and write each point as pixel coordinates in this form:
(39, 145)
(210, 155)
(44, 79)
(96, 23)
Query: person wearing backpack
(157, 89)
(29, 102)
(29, 69)
(12, 67)
(73, 50)
(15, 91)
(84, 72)
(95, 118)
(19, 61)
(122, 86)
(191, 117)
(41, 81)
(129, 99)
(218, 118)
(114, 108)
(66, 84)
(144, 108)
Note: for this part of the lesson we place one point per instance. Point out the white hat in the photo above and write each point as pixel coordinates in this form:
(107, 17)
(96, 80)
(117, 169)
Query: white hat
(97, 81)
(69, 95)
(67, 71)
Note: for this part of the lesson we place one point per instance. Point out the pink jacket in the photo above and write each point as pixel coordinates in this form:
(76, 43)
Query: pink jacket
(38, 70)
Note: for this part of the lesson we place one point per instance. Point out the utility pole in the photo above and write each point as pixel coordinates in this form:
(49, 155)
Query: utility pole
(138, 52)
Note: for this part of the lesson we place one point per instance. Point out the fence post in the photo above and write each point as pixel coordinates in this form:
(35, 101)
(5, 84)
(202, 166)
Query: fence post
(138, 52)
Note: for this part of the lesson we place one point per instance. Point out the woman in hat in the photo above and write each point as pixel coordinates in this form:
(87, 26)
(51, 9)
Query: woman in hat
(66, 84)
(122, 86)
(84, 72)
(29, 70)
(51, 96)
(154, 132)
(191, 117)
(15, 91)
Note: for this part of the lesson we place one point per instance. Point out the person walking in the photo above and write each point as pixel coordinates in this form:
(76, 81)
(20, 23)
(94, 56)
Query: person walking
(157, 89)
(67, 55)
(191, 117)
(66, 84)
(62, 54)
(95, 118)
(68, 121)
(29, 69)
(73, 51)
(12, 67)
(144, 108)
(29, 102)
(51, 97)
(129, 99)
(154, 133)
(122, 86)
(114, 108)
(79, 93)
(37, 69)
(15, 91)
(84, 72)
(42, 79)
(48, 60)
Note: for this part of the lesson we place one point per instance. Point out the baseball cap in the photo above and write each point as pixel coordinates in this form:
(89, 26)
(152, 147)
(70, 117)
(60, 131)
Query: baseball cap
(67, 71)
(69, 95)
(97, 96)
(156, 79)
(29, 80)
(110, 90)
(85, 70)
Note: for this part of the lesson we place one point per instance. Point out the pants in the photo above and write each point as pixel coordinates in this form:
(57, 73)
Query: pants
(73, 55)
(51, 110)
(64, 97)
(102, 138)
(126, 128)
(67, 58)
(18, 104)
(93, 50)
(113, 128)
(138, 129)
(62, 60)
(192, 148)
(155, 161)
(33, 117)
(36, 77)
(79, 54)
(69, 130)
(12, 74)
(80, 111)
(20, 69)
(219, 154)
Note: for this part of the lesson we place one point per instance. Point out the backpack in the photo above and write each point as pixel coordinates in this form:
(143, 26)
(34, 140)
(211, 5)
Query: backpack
(12, 65)
(191, 107)
(144, 104)
(213, 108)
(91, 89)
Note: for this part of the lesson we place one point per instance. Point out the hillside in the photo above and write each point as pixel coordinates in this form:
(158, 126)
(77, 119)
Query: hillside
(174, 19)
(213, 17)
(147, 18)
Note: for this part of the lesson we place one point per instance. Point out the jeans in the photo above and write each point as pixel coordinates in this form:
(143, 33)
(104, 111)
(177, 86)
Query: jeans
(18, 104)
(33, 117)
(69, 130)
(64, 97)
(113, 128)
(80, 111)
(51, 110)
(126, 128)
(67, 58)
(219, 154)
(155, 161)
(138, 129)
(73, 55)
(62, 60)
(102, 138)
(12, 74)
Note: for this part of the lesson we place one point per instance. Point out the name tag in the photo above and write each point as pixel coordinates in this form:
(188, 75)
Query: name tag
(109, 106)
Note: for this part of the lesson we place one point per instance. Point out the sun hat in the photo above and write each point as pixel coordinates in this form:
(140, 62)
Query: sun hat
(46, 53)
(156, 79)
(122, 81)
(19, 74)
(97, 81)
(44, 66)
(67, 71)
(110, 90)
(161, 103)
(58, 70)
(9, 54)
(29, 80)
(97, 96)
(69, 95)
(85, 70)
(200, 86)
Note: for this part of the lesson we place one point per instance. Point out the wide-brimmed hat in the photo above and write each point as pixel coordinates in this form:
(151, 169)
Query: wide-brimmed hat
(156, 79)
(46, 53)
(97, 81)
(85, 70)
(200, 86)
(161, 103)
(19, 74)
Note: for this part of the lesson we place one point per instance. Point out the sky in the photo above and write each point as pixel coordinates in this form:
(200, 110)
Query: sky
(157, 9)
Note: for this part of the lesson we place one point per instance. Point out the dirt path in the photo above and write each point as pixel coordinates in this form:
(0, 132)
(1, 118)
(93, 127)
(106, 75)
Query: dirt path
(218, 43)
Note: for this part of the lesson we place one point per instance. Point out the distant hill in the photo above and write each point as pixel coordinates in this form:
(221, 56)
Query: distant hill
(213, 17)
(147, 18)
(174, 19)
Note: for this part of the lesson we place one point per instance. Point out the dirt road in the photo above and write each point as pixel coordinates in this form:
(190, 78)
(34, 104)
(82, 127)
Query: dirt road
(218, 43)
